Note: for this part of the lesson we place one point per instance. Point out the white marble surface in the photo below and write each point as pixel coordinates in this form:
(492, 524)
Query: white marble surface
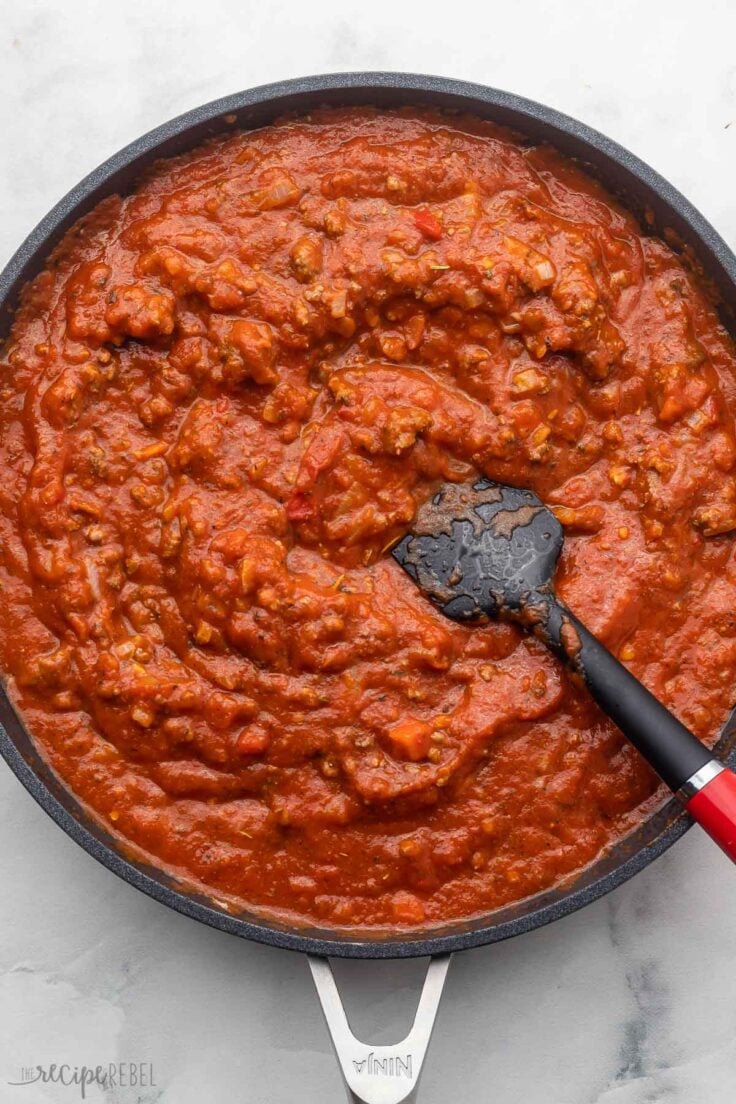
(629, 1002)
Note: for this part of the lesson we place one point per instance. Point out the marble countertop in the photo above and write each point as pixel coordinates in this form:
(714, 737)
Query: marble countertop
(631, 1001)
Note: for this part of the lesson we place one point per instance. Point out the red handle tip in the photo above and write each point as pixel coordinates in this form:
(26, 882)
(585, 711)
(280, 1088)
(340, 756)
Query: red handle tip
(714, 808)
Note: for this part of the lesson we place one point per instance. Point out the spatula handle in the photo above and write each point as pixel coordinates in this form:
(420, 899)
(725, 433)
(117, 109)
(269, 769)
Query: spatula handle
(705, 786)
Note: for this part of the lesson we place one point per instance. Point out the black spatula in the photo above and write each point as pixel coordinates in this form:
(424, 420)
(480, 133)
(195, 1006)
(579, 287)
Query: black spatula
(485, 550)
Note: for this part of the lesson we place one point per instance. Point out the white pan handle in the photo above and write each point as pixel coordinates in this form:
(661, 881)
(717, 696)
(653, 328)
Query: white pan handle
(380, 1074)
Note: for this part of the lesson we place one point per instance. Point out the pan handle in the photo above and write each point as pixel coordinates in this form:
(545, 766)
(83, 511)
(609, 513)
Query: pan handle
(380, 1074)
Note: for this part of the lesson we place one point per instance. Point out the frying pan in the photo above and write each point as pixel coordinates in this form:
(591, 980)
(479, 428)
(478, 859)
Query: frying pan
(379, 1074)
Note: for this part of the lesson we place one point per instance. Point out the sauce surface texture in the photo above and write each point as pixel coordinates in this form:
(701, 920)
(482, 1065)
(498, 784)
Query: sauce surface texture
(221, 403)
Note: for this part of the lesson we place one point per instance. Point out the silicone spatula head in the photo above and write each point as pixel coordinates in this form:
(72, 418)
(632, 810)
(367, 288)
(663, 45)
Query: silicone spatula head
(482, 550)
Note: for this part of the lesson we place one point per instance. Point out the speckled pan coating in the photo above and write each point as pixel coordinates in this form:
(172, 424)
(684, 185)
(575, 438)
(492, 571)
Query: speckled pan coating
(643, 191)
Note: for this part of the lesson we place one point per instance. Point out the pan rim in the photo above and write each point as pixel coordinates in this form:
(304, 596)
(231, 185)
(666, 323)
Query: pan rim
(29, 767)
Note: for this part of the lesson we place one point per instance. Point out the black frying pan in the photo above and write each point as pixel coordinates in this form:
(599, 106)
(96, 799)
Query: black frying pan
(386, 1075)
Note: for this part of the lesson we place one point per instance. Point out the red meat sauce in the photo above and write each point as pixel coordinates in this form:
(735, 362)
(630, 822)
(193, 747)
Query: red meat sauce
(221, 403)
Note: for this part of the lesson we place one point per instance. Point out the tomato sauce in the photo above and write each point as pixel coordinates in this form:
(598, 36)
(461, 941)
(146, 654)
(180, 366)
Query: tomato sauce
(221, 403)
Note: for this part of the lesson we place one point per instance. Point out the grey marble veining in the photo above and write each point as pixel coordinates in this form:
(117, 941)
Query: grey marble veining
(631, 1001)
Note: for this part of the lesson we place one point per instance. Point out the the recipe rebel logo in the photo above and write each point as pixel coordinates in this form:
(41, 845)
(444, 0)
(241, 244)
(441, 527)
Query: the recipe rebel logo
(113, 1075)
